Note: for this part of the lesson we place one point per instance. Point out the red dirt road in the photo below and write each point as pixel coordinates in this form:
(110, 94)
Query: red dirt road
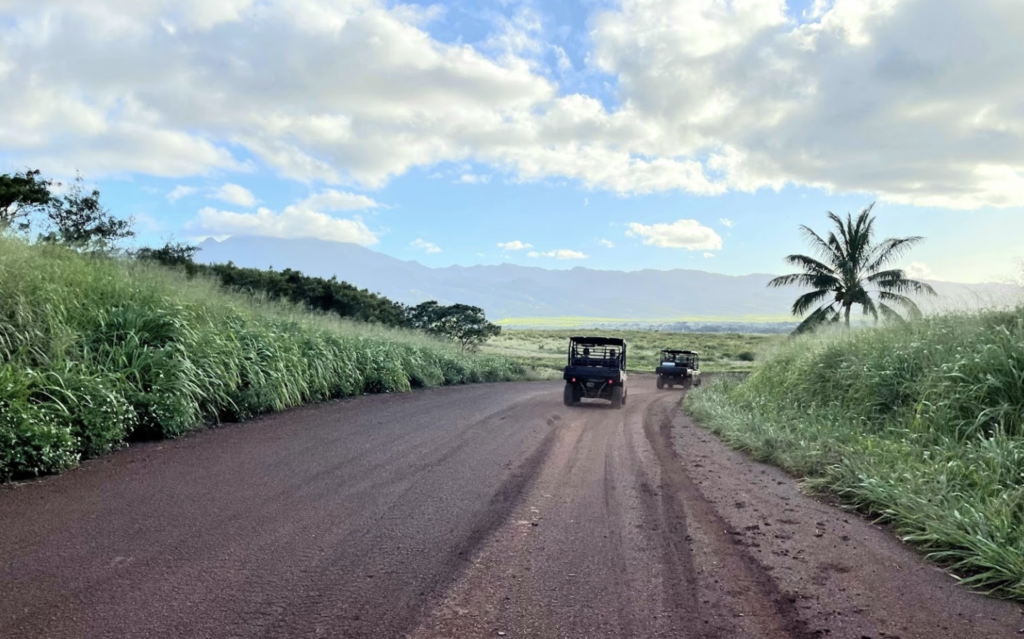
(477, 511)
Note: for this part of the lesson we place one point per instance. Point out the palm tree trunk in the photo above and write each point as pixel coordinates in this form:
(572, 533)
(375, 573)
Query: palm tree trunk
(849, 307)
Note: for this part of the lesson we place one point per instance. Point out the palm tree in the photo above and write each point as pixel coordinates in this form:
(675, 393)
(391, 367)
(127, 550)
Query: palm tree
(852, 269)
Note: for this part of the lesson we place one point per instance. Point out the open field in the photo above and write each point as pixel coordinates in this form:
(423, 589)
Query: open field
(574, 322)
(720, 352)
(921, 424)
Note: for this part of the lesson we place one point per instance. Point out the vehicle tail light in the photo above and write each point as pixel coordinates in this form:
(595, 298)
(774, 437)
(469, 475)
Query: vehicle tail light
(574, 379)
(611, 381)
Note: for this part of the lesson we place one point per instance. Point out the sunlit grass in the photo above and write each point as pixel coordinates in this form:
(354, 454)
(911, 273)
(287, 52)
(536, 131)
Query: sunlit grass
(95, 351)
(921, 424)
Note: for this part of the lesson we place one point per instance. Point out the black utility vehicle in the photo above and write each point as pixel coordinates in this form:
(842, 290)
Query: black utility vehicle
(596, 370)
(678, 367)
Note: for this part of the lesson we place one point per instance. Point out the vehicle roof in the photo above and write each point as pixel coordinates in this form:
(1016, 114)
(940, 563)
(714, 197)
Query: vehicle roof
(676, 350)
(599, 341)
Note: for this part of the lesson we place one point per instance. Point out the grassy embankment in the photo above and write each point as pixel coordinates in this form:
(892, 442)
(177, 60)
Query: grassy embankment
(920, 424)
(720, 352)
(96, 351)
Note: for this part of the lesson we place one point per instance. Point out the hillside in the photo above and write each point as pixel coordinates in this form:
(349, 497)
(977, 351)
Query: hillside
(921, 424)
(96, 351)
(509, 290)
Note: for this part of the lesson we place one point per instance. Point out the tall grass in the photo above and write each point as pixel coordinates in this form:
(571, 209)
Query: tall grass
(95, 351)
(921, 424)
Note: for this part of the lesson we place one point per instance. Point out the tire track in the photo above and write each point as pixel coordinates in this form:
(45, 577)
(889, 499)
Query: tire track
(715, 579)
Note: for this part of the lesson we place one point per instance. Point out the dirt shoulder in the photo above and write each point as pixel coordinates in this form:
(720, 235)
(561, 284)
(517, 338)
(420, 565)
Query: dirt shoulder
(844, 576)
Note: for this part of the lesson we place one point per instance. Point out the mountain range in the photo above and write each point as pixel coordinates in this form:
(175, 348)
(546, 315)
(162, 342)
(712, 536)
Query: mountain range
(514, 291)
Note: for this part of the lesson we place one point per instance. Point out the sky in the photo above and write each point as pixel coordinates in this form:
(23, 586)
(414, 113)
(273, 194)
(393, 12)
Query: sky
(608, 134)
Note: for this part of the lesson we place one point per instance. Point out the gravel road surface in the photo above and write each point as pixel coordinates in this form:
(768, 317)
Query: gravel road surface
(477, 511)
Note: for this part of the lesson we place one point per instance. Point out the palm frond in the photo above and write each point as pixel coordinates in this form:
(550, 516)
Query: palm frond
(808, 300)
(891, 250)
(826, 313)
(826, 249)
(891, 274)
(870, 308)
(894, 281)
(890, 314)
(908, 305)
(862, 234)
(803, 279)
(810, 265)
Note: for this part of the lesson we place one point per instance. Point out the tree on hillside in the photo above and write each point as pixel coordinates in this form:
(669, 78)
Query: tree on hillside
(851, 269)
(316, 293)
(465, 324)
(77, 219)
(20, 195)
(170, 254)
(173, 254)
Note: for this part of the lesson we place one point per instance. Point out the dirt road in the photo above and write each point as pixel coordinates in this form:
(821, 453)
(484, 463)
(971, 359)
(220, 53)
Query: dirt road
(478, 511)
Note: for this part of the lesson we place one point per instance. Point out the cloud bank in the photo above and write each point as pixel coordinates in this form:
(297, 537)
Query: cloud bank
(917, 101)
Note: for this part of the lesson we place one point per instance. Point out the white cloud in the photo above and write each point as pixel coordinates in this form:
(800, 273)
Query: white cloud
(684, 234)
(560, 254)
(235, 194)
(429, 247)
(514, 245)
(304, 219)
(332, 200)
(179, 192)
(708, 255)
(915, 94)
(919, 271)
(726, 222)
(606, 243)
(472, 178)
(914, 101)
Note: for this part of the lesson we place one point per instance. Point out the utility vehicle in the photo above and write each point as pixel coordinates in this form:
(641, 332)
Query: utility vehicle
(596, 370)
(678, 367)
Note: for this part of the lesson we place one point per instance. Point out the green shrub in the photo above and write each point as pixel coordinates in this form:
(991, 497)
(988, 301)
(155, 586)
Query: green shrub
(920, 423)
(95, 351)
(32, 442)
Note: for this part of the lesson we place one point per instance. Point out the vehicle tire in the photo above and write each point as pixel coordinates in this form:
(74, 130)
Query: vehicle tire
(661, 383)
(617, 397)
(569, 395)
(687, 383)
(625, 395)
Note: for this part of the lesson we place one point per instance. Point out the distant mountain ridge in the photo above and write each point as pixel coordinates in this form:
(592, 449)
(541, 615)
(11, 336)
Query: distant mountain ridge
(510, 290)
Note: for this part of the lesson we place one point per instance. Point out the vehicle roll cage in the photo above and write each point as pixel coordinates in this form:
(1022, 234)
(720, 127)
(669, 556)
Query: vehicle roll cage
(608, 352)
(673, 355)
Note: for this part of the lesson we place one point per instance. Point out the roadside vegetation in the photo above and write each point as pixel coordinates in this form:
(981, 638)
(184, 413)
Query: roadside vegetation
(920, 423)
(720, 352)
(95, 351)
(99, 347)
